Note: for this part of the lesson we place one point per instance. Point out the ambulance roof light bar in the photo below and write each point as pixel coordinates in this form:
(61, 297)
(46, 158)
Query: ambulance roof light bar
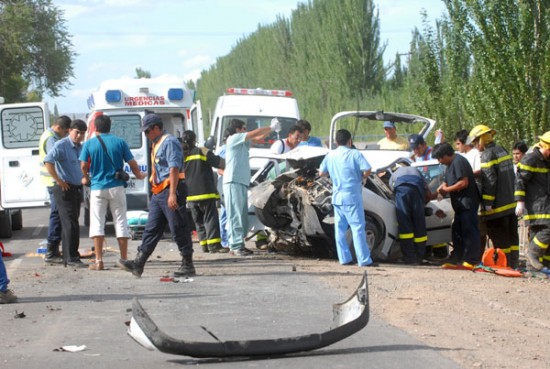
(258, 91)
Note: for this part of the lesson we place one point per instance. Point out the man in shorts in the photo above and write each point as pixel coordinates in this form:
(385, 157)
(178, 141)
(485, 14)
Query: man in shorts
(99, 164)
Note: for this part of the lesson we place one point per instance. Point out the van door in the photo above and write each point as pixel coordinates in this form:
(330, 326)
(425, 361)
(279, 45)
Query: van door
(195, 122)
(21, 126)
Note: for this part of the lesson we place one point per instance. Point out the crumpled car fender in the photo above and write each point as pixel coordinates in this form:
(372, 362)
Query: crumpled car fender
(349, 317)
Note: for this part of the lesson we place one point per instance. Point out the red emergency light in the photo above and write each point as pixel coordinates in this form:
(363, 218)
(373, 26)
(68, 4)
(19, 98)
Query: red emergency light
(258, 91)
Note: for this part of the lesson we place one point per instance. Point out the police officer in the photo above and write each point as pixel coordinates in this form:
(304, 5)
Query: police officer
(411, 192)
(203, 195)
(533, 200)
(168, 202)
(497, 193)
(347, 167)
(57, 131)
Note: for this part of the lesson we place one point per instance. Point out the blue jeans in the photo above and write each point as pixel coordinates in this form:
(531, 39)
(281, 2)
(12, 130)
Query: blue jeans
(54, 226)
(4, 281)
(160, 215)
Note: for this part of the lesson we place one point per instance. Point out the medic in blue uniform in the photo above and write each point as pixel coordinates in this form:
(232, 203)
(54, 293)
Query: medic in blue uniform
(347, 167)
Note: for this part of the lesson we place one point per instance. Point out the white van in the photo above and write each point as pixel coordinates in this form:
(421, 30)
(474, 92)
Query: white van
(255, 107)
(20, 185)
(126, 101)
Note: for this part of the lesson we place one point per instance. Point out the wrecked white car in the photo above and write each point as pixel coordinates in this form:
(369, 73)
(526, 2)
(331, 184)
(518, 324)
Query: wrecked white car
(296, 205)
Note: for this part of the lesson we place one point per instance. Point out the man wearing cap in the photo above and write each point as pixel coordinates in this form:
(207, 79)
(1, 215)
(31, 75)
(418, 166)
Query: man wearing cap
(168, 202)
(533, 201)
(419, 147)
(392, 141)
(101, 156)
(497, 193)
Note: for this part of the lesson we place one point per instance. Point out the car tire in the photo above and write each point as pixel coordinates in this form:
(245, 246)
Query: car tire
(17, 220)
(373, 233)
(5, 224)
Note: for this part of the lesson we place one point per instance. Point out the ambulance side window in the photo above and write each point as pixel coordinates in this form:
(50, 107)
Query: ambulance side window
(22, 126)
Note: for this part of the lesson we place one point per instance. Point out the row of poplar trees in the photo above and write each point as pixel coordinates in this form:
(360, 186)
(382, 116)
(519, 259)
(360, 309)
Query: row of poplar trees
(482, 62)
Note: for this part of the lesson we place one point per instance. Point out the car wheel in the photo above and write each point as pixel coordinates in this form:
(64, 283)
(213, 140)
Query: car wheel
(5, 224)
(17, 220)
(373, 233)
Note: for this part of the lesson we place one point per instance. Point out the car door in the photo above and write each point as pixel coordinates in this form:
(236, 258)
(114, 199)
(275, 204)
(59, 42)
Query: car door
(21, 126)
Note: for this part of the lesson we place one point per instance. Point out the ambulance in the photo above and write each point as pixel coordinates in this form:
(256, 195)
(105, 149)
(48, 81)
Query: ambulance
(20, 185)
(126, 101)
(256, 107)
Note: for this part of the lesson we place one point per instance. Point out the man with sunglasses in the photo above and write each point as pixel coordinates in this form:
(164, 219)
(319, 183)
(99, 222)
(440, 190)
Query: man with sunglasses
(64, 167)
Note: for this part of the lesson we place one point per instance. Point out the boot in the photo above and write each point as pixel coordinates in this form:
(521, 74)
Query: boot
(534, 253)
(134, 266)
(53, 256)
(187, 269)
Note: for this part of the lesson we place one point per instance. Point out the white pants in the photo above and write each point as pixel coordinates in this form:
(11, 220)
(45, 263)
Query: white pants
(115, 199)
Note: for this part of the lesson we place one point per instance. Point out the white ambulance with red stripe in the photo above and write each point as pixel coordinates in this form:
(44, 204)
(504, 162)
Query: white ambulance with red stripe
(126, 101)
(256, 107)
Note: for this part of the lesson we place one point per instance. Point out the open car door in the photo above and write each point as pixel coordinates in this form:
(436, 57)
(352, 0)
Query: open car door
(195, 122)
(22, 125)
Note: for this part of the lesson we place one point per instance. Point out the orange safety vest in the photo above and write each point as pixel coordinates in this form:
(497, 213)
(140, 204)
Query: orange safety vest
(157, 188)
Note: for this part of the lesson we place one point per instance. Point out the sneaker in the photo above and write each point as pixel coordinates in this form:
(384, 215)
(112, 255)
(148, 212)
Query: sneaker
(241, 252)
(76, 263)
(7, 297)
(98, 265)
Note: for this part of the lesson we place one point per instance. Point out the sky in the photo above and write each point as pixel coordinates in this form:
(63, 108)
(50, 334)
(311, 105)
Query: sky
(183, 37)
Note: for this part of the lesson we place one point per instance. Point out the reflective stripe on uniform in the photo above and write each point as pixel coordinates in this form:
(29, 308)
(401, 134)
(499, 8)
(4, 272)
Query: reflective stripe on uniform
(500, 209)
(205, 196)
(213, 241)
(536, 216)
(420, 239)
(195, 157)
(489, 197)
(519, 193)
(439, 245)
(495, 162)
(532, 169)
(406, 236)
(540, 244)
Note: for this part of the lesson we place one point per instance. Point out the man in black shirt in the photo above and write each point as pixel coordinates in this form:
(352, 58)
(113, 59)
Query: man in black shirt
(460, 184)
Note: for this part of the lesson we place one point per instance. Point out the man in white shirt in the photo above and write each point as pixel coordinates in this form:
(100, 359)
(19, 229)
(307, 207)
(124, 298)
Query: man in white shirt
(290, 142)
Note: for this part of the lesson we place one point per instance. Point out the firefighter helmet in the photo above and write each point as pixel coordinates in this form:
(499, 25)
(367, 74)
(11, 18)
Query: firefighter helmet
(479, 131)
(544, 142)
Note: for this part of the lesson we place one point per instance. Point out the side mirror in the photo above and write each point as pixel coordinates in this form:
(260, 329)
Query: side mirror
(210, 143)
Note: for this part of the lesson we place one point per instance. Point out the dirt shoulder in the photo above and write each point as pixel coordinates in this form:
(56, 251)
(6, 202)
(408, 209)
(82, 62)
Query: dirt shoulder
(479, 320)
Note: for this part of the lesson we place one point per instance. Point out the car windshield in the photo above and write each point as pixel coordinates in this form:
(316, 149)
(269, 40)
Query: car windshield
(253, 122)
(433, 174)
(366, 133)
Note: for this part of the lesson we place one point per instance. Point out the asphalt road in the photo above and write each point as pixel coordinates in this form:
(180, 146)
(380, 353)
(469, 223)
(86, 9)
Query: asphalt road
(244, 298)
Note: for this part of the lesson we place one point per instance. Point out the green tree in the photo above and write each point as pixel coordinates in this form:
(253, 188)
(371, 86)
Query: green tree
(141, 73)
(35, 49)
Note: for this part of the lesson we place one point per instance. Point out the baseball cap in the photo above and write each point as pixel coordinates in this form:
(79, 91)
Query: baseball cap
(149, 120)
(415, 140)
(389, 124)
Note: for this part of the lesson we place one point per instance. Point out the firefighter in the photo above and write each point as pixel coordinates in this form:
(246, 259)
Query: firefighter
(202, 195)
(533, 200)
(497, 193)
(411, 193)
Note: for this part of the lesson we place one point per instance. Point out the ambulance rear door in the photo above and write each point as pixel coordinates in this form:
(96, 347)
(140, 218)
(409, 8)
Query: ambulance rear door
(21, 126)
(195, 122)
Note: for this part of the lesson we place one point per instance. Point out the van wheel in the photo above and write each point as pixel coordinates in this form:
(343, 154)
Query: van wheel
(17, 220)
(5, 225)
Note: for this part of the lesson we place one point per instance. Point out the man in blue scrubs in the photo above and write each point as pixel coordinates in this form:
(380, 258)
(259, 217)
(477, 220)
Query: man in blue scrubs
(236, 179)
(347, 167)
